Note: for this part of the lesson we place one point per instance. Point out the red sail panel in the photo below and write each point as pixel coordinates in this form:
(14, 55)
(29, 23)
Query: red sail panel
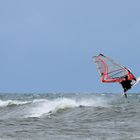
(111, 71)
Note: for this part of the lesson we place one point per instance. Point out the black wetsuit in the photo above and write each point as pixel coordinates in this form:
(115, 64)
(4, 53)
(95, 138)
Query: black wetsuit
(126, 85)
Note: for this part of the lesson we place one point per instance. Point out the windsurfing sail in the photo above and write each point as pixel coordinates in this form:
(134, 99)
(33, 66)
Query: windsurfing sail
(110, 71)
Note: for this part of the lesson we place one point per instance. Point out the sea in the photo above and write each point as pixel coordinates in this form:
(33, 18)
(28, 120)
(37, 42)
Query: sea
(69, 116)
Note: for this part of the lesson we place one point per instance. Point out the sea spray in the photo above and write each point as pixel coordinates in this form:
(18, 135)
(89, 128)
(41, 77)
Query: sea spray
(44, 106)
(12, 102)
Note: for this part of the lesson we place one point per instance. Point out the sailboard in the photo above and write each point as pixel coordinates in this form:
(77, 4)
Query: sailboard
(111, 71)
(137, 81)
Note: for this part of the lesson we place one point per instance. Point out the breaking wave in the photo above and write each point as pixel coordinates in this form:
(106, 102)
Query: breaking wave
(11, 103)
(45, 107)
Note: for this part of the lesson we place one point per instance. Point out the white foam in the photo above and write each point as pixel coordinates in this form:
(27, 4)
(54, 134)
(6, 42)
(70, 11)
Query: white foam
(11, 102)
(44, 106)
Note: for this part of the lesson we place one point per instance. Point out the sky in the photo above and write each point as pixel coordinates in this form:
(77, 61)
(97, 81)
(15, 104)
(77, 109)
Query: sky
(47, 45)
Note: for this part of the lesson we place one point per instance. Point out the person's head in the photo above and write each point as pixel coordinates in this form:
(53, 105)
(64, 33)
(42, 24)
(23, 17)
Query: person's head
(126, 77)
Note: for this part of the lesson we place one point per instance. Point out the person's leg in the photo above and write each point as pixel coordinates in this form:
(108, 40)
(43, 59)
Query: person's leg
(125, 93)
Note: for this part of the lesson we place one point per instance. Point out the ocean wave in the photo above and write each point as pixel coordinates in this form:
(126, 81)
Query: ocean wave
(43, 106)
(11, 103)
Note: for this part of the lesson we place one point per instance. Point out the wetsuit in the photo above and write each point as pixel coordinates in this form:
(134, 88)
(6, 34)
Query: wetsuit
(126, 84)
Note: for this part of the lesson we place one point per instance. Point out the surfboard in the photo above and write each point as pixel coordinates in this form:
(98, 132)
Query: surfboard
(137, 81)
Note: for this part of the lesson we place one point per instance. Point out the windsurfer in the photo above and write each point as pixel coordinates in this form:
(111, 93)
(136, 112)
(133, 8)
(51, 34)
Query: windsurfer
(126, 84)
(112, 72)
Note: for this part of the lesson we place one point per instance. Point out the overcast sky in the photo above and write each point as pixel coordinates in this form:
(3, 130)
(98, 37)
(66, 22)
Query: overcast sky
(47, 45)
